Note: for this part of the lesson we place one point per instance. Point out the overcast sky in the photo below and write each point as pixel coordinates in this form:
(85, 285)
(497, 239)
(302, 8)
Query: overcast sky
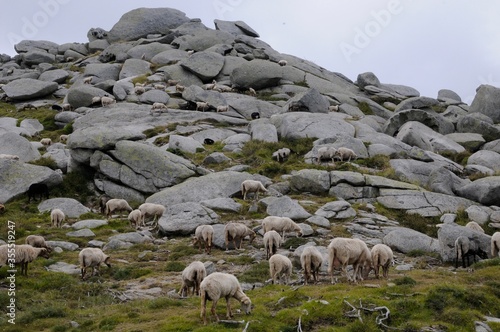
(427, 44)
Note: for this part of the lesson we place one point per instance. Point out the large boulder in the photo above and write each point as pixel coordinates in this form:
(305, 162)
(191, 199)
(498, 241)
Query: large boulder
(449, 232)
(236, 28)
(406, 240)
(311, 101)
(35, 57)
(257, 74)
(81, 96)
(485, 190)
(101, 72)
(246, 105)
(431, 119)
(183, 218)
(490, 159)
(205, 65)
(487, 102)
(134, 67)
(17, 145)
(418, 134)
(262, 130)
(28, 88)
(71, 207)
(56, 75)
(310, 180)
(480, 124)
(286, 207)
(203, 39)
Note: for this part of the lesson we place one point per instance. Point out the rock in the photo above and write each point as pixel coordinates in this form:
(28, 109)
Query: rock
(216, 158)
(235, 142)
(101, 72)
(337, 210)
(406, 240)
(287, 207)
(17, 145)
(257, 74)
(169, 56)
(311, 181)
(154, 96)
(367, 78)
(246, 105)
(116, 244)
(131, 237)
(64, 268)
(470, 141)
(56, 75)
(480, 124)
(479, 214)
(149, 51)
(183, 218)
(487, 102)
(485, 190)
(224, 204)
(485, 158)
(134, 67)
(444, 181)
(90, 223)
(432, 120)
(417, 134)
(262, 130)
(185, 144)
(448, 95)
(203, 39)
(81, 96)
(35, 57)
(235, 28)
(416, 103)
(28, 45)
(319, 221)
(71, 207)
(69, 246)
(81, 233)
(447, 235)
(310, 101)
(28, 88)
(205, 65)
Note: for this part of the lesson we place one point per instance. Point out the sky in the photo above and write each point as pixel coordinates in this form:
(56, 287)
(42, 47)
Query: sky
(428, 44)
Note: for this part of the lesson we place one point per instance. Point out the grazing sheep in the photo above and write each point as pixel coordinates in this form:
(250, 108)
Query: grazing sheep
(96, 100)
(158, 107)
(222, 108)
(46, 142)
(474, 226)
(281, 154)
(36, 241)
(382, 256)
(106, 101)
(57, 218)
(92, 257)
(333, 108)
(252, 92)
(23, 255)
(66, 107)
(280, 224)
(345, 251)
(135, 218)
(326, 153)
(103, 199)
(464, 248)
(252, 186)
(151, 210)
(173, 82)
(272, 241)
(87, 80)
(2, 208)
(311, 260)
(255, 115)
(63, 138)
(210, 86)
(235, 232)
(204, 235)
(116, 204)
(179, 88)
(139, 90)
(495, 245)
(344, 153)
(159, 86)
(9, 156)
(192, 276)
(222, 285)
(280, 266)
(202, 106)
(208, 141)
(282, 63)
(40, 189)
(190, 52)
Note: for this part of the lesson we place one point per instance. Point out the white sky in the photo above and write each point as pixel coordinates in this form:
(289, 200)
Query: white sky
(427, 44)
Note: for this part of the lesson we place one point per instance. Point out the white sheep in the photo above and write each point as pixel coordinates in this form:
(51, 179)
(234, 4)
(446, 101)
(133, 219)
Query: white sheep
(116, 204)
(36, 241)
(96, 100)
(92, 257)
(210, 86)
(222, 285)
(326, 153)
(158, 106)
(46, 142)
(63, 138)
(344, 153)
(106, 101)
(57, 217)
(272, 241)
(66, 107)
(282, 62)
(202, 106)
(204, 235)
(280, 266)
(495, 245)
(151, 210)
(179, 88)
(192, 276)
(222, 108)
(159, 86)
(281, 154)
(311, 260)
(252, 92)
(23, 255)
(9, 156)
(252, 186)
(139, 90)
(135, 218)
(87, 80)
(475, 226)
(345, 251)
(280, 224)
(382, 256)
(235, 232)
(172, 82)
(464, 248)
(333, 108)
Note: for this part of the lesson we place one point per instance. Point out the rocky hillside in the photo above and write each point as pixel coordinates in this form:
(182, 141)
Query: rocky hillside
(163, 109)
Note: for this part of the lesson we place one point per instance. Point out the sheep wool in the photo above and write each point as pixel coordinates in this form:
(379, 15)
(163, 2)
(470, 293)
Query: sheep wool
(192, 276)
(280, 267)
(92, 257)
(345, 251)
(495, 245)
(203, 235)
(24, 254)
(280, 224)
(235, 232)
(311, 261)
(382, 256)
(272, 241)
(252, 186)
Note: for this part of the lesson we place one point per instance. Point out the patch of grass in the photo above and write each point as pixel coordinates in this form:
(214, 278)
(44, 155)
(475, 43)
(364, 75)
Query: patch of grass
(405, 281)
(379, 162)
(140, 79)
(365, 108)
(47, 162)
(181, 251)
(155, 131)
(256, 273)
(295, 242)
(130, 272)
(47, 312)
(302, 83)
(175, 267)
(76, 184)
(460, 158)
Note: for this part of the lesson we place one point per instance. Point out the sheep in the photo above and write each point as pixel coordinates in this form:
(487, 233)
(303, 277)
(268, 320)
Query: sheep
(2, 208)
(57, 218)
(36, 241)
(208, 141)
(151, 209)
(63, 138)
(343, 153)
(173, 82)
(282, 62)
(495, 245)
(255, 115)
(200, 105)
(280, 265)
(139, 90)
(21, 254)
(192, 276)
(218, 285)
(235, 232)
(66, 107)
(106, 101)
(87, 80)
(210, 86)
(190, 52)
(92, 257)
(159, 86)
(252, 186)
(333, 108)
(116, 204)
(252, 92)
(280, 224)
(135, 218)
(311, 260)
(222, 108)
(179, 88)
(464, 248)
(326, 153)
(382, 256)
(204, 235)
(158, 107)
(9, 156)
(345, 251)
(281, 154)
(272, 241)
(40, 189)
(46, 142)
(96, 100)
(103, 199)
(474, 226)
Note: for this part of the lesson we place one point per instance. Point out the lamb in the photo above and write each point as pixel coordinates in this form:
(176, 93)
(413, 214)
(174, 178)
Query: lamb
(66, 107)
(282, 62)
(326, 153)
(57, 218)
(139, 90)
(192, 276)
(36, 241)
(280, 224)
(24, 254)
(218, 285)
(96, 100)
(151, 209)
(159, 86)
(46, 141)
(203, 235)
(252, 92)
(222, 108)
(255, 115)
(235, 232)
(333, 108)
(281, 154)
(344, 153)
(464, 248)
(474, 226)
(382, 256)
(9, 156)
(272, 241)
(106, 101)
(311, 260)
(40, 189)
(63, 138)
(495, 245)
(103, 199)
(179, 88)
(252, 186)
(135, 218)
(92, 257)
(116, 204)
(279, 266)
(345, 251)
(87, 80)
(158, 107)
(200, 105)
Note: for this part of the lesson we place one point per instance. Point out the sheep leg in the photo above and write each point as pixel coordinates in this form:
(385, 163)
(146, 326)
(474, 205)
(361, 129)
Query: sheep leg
(214, 304)
(203, 313)
(229, 313)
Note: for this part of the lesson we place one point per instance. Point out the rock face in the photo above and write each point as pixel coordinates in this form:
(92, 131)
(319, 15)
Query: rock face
(487, 102)
(28, 88)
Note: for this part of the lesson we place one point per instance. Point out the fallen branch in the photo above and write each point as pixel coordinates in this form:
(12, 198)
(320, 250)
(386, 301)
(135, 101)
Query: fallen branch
(235, 322)
(246, 327)
(299, 326)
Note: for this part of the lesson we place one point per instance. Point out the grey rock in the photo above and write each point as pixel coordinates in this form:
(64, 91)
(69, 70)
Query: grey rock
(169, 56)
(235, 28)
(246, 105)
(101, 72)
(203, 40)
(311, 101)
(286, 207)
(90, 223)
(131, 237)
(432, 120)
(416, 103)
(417, 134)
(310, 180)
(116, 244)
(235, 142)
(185, 144)
(148, 51)
(36, 57)
(205, 65)
(262, 130)
(222, 203)
(367, 78)
(492, 146)
(69, 246)
(479, 214)
(64, 267)
(17, 145)
(28, 45)
(444, 181)
(448, 233)
(319, 221)
(183, 218)
(337, 210)
(470, 141)
(154, 96)
(96, 244)
(406, 240)
(216, 158)
(257, 74)
(485, 158)
(216, 134)
(60, 156)
(81, 96)
(71, 207)
(485, 190)
(134, 67)
(32, 126)
(487, 102)
(445, 95)
(81, 233)
(56, 75)
(454, 113)
(480, 124)
(28, 88)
